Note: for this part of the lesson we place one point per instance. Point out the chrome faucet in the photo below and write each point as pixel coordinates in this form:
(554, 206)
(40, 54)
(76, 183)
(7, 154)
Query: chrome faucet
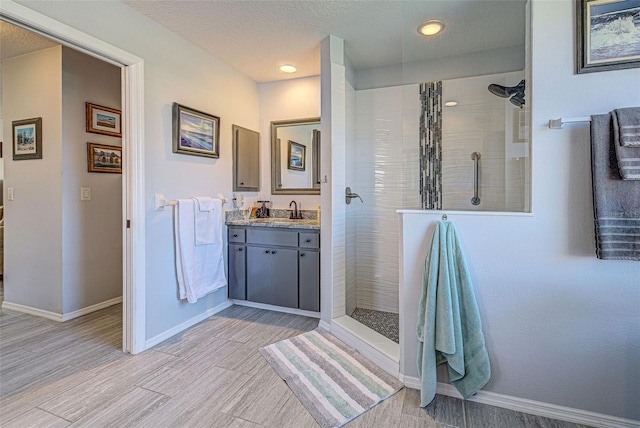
(294, 214)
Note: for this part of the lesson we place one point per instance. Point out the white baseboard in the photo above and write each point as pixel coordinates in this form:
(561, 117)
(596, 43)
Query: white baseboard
(324, 325)
(60, 317)
(284, 309)
(185, 325)
(32, 311)
(538, 408)
(92, 308)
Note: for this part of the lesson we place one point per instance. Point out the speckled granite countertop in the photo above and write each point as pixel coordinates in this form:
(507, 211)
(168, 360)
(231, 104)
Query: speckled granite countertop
(276, 222)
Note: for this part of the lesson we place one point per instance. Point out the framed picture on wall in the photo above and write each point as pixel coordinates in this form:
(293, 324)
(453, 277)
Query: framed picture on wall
(103, 158)
(608, 35)
(27, 139)
(297, 154)
(195, 133)
(103, 120)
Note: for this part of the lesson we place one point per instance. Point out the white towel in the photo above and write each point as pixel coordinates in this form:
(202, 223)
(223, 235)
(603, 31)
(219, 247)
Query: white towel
(200, 269)
(207, 215)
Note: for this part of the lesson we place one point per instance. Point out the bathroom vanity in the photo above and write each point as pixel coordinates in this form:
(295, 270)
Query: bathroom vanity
(275, 261)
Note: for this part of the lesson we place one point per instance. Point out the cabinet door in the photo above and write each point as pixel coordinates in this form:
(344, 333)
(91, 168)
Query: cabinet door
(246, 163)
(284, 277)
(309, 280)
(259, 274)
(237, 272)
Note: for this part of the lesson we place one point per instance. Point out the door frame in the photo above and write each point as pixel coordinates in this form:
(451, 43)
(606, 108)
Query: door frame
(133, 213)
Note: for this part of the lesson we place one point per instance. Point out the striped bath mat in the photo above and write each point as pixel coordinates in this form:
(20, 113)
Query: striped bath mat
(333, 381)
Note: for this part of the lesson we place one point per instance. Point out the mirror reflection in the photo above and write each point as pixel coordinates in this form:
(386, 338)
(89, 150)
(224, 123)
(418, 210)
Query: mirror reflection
(295, 156)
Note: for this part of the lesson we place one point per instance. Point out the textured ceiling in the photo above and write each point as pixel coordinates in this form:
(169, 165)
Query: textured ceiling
(16, 41)
(256, 36)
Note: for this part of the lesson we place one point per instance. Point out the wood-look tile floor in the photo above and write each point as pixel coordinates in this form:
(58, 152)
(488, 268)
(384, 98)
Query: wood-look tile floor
(212, 375)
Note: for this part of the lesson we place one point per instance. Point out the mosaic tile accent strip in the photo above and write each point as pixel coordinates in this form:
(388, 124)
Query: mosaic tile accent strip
(385, 323)
(431, 145)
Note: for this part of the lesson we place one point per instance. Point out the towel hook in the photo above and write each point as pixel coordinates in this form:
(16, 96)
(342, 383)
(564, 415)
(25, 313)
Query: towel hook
(444, 217)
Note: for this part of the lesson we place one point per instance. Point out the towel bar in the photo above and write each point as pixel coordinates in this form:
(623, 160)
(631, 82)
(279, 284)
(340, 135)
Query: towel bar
(160, 202)
(557, 123)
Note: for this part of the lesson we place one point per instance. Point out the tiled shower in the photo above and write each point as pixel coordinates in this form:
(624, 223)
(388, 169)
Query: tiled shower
(383, 166)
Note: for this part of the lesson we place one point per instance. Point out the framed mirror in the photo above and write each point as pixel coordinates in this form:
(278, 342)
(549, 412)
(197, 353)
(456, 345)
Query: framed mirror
(295, 157)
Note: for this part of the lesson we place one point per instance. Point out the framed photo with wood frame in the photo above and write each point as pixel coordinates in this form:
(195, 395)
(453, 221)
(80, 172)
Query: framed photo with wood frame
(297, 154)
(103, 120)
(27, 139)
(195, 132)
(103, 158)
(608, 35)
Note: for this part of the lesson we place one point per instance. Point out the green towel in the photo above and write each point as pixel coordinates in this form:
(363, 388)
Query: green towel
(449, 328)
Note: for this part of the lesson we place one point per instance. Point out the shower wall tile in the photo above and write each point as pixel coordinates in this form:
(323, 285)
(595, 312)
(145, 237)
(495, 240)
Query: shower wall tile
(350, 231)
(375, 102)
(381, 135)
(481, 122)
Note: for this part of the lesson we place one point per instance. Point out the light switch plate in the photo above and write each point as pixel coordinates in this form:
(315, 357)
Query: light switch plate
(85, 193)
(10, 193)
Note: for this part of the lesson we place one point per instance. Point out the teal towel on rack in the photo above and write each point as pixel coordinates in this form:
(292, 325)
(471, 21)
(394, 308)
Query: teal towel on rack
(449, 327)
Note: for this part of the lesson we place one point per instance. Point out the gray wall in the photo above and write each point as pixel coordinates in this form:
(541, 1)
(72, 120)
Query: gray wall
(92, 230)
(32, 87)
(561, 326)
(206, 84)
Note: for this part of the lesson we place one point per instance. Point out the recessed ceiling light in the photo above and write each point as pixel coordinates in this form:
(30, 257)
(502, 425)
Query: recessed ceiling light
(451, 103)
(288, 68)
(431, 27)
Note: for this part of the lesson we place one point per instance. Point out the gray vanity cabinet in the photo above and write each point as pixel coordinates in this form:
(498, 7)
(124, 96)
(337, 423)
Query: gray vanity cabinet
(272, 276)
(276, 266)
(309, 274)
(237, 271)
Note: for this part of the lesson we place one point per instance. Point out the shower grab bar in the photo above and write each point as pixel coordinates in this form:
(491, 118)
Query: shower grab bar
(475, 157)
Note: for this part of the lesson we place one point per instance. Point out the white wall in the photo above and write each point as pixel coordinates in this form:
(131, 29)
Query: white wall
(285, 100)
(175, 71)
(561, 326)
(92, 230)
(32, 87)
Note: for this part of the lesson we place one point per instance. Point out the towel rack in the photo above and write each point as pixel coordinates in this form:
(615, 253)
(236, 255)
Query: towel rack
(160, 202)
(557, 123)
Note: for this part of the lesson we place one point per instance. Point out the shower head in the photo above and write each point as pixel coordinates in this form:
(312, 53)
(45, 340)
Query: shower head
(515, 93)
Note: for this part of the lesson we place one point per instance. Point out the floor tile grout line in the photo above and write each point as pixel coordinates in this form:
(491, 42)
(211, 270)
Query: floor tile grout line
(46, 411)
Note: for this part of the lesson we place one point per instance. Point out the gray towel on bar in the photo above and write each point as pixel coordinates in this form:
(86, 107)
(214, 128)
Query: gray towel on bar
(626, 140)
(616, 202)
(628, 129)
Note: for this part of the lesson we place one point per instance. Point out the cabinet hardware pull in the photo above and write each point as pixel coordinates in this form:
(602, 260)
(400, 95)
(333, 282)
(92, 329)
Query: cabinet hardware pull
(308, 240)
(267, 251)
(273, 251)
(301, 254)
(235, 235)
(239, 249)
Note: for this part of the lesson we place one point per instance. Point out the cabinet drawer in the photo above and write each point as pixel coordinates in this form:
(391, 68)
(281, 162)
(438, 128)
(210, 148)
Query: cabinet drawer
(309, 240)
(236, 235)
(283, 238)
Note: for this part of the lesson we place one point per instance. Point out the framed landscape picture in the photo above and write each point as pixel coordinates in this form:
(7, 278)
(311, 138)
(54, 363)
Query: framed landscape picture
(27, 139)
(103, 120)
(195, 133)
(608, 35)
(297, 153)
(103, 158)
